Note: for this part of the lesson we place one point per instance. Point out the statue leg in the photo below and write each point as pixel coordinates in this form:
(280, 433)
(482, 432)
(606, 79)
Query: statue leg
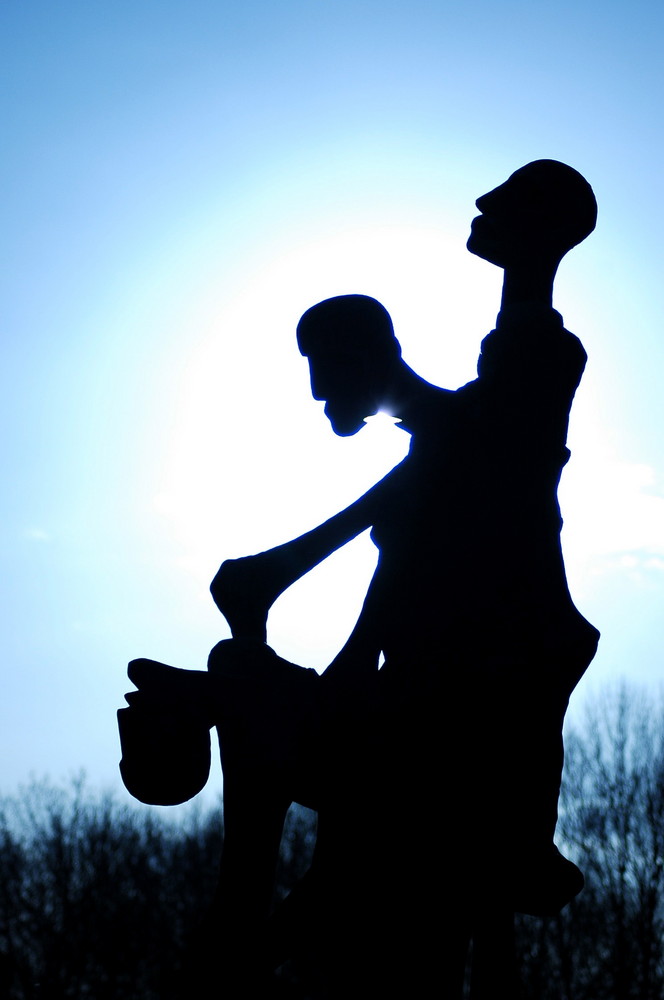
(232, 947)
(265, 712)
(262, 741)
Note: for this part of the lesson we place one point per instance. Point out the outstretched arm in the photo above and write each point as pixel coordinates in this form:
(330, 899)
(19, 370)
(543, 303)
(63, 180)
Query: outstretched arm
(245, 589)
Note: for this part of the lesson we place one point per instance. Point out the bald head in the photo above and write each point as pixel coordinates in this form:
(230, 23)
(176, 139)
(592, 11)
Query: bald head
(352, 323)
(545, 208)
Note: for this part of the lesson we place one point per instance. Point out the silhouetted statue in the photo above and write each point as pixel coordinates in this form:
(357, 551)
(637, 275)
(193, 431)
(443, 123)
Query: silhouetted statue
(436, 777)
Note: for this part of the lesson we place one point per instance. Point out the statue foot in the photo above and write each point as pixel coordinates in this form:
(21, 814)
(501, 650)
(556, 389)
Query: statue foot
(165, 758)
(164, 734)
(171, 688)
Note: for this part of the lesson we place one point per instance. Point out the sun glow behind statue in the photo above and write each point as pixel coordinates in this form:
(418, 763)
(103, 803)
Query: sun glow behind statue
(182, 189)
(249, 459)
(252, 460)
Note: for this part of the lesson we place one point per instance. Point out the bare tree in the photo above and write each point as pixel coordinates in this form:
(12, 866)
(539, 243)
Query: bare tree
(609, 943)
(95, 896)
(99, 899)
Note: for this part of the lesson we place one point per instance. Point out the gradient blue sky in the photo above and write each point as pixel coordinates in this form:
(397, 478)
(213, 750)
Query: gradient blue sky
(180, 182)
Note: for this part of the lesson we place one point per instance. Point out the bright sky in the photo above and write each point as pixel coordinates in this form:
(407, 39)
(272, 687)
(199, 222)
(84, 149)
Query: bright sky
(181, 182)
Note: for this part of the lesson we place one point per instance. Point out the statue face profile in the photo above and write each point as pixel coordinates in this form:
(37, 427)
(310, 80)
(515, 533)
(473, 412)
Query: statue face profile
(349, 343)
(342, 379)
(540, 212)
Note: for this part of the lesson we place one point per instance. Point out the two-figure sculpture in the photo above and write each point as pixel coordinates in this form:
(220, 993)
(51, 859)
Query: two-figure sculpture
(431, 747)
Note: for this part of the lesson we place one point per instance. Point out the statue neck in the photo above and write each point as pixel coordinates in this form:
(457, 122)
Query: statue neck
(529, 282)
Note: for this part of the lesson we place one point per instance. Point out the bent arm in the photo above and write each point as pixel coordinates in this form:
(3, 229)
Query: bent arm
(245, 589)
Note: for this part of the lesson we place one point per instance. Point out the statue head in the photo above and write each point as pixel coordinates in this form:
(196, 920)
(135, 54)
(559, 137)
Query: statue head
(351, 348)
(540, 212)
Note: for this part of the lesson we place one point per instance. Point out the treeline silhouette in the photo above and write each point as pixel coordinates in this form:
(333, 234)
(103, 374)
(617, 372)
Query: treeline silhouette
(608, 944)
(99, 898)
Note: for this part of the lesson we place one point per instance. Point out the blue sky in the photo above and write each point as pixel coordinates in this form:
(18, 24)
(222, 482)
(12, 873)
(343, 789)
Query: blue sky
(180, 182)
